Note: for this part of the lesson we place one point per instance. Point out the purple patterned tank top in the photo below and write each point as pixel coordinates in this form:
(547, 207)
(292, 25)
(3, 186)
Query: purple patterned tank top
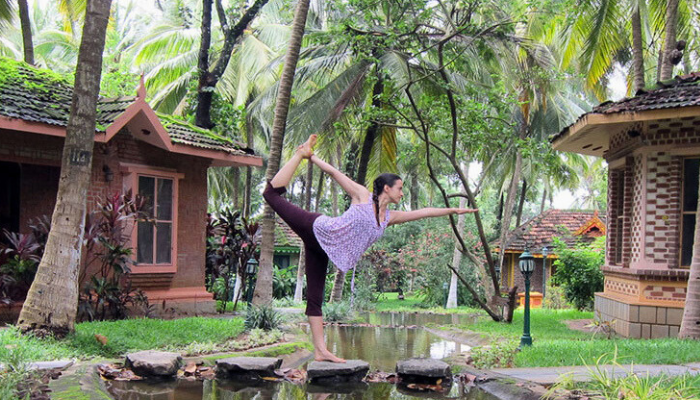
(347, 237)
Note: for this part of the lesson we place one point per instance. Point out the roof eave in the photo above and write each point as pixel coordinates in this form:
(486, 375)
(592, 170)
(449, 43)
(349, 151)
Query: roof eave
(590, 135)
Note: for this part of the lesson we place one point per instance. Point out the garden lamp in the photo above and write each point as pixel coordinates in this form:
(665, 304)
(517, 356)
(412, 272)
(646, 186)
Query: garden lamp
(251, 268)
(526, 263)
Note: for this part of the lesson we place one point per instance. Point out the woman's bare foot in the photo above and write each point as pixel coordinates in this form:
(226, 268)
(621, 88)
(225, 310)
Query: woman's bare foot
(307, 149)
(325, 355)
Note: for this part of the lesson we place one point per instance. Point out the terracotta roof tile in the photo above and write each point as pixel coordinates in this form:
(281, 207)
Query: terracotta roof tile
(682, 91)
(36, 95)
(540, 230)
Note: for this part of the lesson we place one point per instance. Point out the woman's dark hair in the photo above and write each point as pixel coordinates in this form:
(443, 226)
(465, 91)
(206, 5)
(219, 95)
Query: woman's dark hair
(378, 187)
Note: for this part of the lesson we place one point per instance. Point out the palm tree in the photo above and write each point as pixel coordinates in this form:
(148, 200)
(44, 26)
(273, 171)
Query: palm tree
(263, 286)
(690, 324)
(52, 300)
(26, 31)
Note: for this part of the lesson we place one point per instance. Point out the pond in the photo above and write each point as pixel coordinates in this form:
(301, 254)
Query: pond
(391, 337)
(222, 390)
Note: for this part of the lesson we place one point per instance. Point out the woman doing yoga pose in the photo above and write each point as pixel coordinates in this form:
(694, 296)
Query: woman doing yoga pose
(343, 239)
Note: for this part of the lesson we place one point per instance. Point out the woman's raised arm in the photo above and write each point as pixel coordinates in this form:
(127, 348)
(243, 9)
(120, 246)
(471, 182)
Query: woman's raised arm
(357, 192)
(399, 217)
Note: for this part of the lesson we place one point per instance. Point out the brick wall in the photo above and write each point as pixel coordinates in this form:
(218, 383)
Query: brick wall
(40, 157)
(653, 185)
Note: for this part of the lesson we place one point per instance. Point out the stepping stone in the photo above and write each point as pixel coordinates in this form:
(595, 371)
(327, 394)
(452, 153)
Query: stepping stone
(423, 370)
(325, 372)
(155, 364)
(247, 367)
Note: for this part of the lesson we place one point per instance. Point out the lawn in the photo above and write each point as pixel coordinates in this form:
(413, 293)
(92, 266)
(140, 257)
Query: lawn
(554, 344)
(412, 303)
(122, 337)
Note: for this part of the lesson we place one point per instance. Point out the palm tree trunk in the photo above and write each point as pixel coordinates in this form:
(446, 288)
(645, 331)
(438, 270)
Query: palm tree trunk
(521, 203)
(371, 135)
(637, 49)
(236, 177)
(205, 88)
(263, 286)
(52, 300)
(690, 324)
(248, 173)
(414, 191)
(544, 200)
(26, 23)
(456, 260)
(666, 67)
(338, 284)
(319, 191)
(508, 207)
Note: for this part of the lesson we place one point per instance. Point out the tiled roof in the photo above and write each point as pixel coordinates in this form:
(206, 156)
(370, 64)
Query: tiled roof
(682, 91)
(564, 224)
(285, 236)
(36, 95)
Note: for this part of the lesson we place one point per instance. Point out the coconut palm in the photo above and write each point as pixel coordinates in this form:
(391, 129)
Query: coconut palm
(52, 300)
(263, 286)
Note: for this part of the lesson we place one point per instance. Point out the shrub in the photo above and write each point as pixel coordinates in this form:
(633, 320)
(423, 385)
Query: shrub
(336, 312)
(262, 317)
(284, 281)
(500, 355)
(578, 270)
(554, 298)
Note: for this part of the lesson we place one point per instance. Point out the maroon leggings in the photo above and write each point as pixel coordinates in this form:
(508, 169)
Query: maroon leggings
(302, 222)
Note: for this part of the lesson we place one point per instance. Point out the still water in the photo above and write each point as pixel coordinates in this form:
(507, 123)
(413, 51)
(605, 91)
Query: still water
(395, 337)
(217, 390)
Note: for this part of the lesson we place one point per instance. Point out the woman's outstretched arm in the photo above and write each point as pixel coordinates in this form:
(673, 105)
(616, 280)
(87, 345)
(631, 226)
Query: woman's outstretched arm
(357, 192)
(399, 217)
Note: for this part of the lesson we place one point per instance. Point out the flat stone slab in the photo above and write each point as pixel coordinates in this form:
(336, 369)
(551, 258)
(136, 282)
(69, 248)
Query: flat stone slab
(422, 369)
(325, 372)
(159, 364)
(247, 367)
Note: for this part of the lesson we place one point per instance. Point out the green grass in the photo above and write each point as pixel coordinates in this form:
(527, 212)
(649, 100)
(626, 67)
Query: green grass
(413, 303)
(122, 337)
(554, 344)
(553, 352)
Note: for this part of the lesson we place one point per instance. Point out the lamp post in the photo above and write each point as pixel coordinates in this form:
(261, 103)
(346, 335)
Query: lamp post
(526, 263)
(251, 268)
(545, 253)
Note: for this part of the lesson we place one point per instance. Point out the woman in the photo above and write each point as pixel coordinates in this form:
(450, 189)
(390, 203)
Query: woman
(342, 239)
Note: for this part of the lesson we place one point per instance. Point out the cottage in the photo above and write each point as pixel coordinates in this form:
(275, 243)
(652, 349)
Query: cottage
(159, 157)
(652, 145)
(538, 234)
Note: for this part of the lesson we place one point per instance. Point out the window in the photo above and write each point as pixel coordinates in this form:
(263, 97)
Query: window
(154, 243)
(282, 262)
(689, 205)
(619, 220)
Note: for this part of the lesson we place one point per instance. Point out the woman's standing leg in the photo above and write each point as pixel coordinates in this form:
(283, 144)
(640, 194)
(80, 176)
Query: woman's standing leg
(316, 266)
(301, 221)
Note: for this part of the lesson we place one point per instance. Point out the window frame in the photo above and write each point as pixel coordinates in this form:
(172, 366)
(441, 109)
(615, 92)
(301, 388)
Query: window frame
(617, 224)
(132, 173)
(683, 213)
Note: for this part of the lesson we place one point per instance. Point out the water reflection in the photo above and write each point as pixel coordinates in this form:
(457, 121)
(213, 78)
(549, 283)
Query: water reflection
(217, 390)
(418, 319)
(383, 347)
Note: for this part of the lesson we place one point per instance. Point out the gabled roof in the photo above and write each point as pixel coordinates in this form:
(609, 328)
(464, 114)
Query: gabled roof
(676, 98)
(570, 226)
(38, 101)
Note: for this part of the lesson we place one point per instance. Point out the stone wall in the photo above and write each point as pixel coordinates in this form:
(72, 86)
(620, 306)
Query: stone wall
(639, 321)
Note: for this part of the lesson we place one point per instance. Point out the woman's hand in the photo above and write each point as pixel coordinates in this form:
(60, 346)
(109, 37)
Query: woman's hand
(459, 211)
